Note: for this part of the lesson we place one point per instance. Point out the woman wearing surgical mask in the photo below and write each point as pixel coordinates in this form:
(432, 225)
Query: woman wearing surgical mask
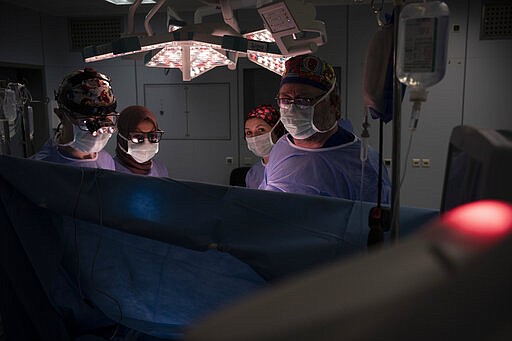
(138, 140)
(262, 130)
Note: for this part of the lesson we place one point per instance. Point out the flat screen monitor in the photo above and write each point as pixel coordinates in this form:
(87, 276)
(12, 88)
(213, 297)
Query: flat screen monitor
(479, 166)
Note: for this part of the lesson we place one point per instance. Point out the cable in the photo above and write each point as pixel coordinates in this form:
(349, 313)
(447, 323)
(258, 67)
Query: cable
(381, 147)
(379, 217)
(365, 135)
(417, 97)
(93, 265)
(409, 144)
(73, 217)
(361, 196)
(77, 252)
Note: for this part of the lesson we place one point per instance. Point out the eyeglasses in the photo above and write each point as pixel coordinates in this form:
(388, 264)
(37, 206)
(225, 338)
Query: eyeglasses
(301, 102)
(139, 137)
(96, 125)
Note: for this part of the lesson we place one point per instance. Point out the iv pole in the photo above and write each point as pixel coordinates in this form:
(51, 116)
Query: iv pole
(397, 131)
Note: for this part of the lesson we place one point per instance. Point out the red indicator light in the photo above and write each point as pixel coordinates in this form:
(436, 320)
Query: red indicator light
(486, 219)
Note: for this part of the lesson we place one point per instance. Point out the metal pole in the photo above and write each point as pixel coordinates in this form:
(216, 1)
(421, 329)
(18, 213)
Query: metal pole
(397, 129)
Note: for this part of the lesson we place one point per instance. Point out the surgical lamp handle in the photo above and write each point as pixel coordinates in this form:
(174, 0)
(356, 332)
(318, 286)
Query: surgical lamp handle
(131, 15)
(227, 14)
(150, 15)
(294, 47)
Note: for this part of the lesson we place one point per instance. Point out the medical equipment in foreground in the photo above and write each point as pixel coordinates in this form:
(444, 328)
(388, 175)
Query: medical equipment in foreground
(478, 166)
(416, 289)
(422, 49)
(449, 282)
(378, 98)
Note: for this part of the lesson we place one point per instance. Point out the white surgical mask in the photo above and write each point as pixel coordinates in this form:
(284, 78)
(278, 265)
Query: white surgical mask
(298, 120)
(85, 142)
(260, 145)
(140, 152)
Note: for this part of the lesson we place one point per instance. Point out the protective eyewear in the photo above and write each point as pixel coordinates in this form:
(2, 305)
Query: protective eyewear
(301, 102)
(139, 137)
(97, 125)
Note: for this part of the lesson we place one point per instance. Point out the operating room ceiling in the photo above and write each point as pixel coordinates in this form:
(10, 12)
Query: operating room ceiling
(102, 7)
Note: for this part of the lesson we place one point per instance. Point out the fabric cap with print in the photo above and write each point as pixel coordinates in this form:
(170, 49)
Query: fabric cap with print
(309, 69)
(266, 112)
(86, 92)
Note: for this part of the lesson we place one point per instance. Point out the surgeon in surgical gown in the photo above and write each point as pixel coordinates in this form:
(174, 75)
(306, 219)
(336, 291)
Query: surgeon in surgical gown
(318, 156)
(87, 114)
(262, 130)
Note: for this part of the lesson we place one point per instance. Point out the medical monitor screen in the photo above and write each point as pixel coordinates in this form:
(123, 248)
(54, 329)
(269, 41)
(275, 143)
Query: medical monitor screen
(478, 167)
(464, 175)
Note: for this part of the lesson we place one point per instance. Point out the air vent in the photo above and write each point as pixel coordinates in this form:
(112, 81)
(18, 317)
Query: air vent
(496, 20)
(93, 31)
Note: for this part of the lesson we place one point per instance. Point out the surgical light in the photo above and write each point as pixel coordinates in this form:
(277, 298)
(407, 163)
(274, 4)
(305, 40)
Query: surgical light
(292, 25)
(260, 35)
(122, 47)
(192, 58)
(278, 18)
(128, 2)
(195, 49)
(271, 61)
(98, 52)
(129, 44)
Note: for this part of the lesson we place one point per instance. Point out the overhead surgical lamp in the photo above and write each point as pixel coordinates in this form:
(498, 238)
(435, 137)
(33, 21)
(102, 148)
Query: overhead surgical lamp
(292, 25)
(128, 2)
(129, 44)
(199, 48)
(271, 61)
(193, 59)
(97, 52)
(195, 49)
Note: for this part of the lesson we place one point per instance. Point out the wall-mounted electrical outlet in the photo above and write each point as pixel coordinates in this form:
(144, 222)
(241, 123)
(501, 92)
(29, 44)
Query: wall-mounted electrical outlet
(248, 161)
(425, 163)
(229, 160)
(387, 162)
(416, 162)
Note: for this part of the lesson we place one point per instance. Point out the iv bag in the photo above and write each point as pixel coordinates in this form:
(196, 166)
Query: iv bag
(422, 43)
(8, 110)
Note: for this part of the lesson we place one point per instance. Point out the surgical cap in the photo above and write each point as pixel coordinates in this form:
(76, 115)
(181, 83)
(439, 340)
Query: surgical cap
(309, 69)
(266, 112)
(86, 92)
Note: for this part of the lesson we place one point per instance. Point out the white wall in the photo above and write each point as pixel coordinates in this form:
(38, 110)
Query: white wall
(488, 94)
(476, 89)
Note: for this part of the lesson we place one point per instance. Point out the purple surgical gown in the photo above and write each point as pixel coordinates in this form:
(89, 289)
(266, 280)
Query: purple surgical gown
(158, 169)
(50, 152)
(333, 171)
(254, 176)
